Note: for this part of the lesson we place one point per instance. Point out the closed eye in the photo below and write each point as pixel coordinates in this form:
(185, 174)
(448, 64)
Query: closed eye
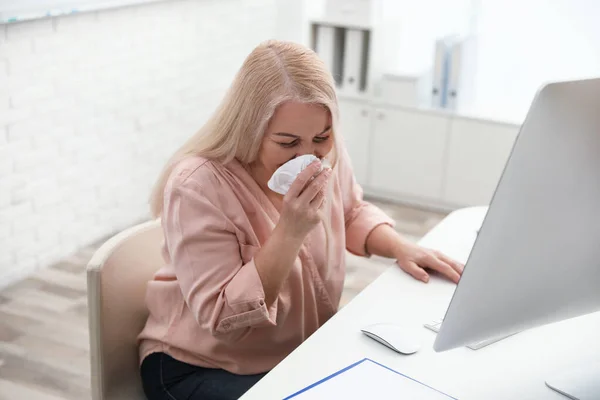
(320, 138)
(290, 144)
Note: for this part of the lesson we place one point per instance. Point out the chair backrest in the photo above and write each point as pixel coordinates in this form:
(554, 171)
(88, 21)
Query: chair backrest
(117, 275)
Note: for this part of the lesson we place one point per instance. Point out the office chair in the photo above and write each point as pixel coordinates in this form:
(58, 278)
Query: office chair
(116, 279)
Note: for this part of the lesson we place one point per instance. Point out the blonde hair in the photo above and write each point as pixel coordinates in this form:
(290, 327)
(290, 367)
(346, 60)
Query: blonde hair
(273, 73)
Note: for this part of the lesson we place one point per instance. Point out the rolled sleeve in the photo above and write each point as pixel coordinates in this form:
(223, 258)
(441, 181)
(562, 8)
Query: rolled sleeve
(218, 279)
(360, 216)
(246, 300)
(364, 217)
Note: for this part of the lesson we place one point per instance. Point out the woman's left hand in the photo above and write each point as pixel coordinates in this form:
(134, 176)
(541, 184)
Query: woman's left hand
(414, 259)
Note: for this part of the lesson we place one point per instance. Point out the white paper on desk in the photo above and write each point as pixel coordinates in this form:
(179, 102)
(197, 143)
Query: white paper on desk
(369, 380)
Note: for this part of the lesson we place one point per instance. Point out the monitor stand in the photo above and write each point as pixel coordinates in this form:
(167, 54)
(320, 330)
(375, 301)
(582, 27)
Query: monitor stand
(581, 382)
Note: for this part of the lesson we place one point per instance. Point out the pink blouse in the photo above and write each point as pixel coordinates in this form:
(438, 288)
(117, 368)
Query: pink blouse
(207, 304)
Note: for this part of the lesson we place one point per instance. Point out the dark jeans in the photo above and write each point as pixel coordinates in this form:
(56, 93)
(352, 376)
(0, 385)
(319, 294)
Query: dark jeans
(165, 378)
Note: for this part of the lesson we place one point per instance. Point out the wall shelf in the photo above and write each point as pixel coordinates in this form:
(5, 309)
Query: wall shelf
(12, 11)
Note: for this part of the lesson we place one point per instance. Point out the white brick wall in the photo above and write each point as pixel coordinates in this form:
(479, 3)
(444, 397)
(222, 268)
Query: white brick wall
(92, 105)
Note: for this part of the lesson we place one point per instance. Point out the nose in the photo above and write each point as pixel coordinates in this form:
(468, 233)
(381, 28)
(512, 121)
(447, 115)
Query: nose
(309, 148)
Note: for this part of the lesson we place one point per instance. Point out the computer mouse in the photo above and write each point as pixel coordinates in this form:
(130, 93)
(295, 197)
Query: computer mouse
(397, 337)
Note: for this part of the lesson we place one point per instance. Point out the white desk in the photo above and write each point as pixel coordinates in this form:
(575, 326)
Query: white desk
(514, 368)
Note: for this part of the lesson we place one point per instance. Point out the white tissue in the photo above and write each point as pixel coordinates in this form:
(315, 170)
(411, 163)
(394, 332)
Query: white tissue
(285, 175)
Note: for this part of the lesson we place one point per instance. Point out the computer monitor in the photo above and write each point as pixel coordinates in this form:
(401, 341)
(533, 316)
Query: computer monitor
(536, 259)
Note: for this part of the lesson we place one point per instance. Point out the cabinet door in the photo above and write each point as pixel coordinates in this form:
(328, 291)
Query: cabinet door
(477, 153)
(407, 152)
(355, 125)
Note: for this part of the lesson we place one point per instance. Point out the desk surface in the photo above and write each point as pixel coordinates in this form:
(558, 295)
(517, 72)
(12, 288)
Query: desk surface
(515, 367)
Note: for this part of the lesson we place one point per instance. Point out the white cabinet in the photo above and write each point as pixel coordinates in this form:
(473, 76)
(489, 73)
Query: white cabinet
(477, 153)
(424, 157)
(355, 126)
(408, 153)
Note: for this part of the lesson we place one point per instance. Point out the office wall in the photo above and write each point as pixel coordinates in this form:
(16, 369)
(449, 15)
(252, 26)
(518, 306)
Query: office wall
(522, 45)
(291, 21)
(92, 105)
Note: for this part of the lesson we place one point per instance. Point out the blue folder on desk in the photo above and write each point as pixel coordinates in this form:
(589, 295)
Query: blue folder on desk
(369, 379)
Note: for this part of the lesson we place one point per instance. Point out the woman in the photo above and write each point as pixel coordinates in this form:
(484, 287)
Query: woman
(251, 274)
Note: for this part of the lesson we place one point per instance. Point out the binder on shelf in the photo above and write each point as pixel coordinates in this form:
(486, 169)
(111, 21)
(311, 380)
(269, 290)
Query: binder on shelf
(454, 72)
(354, 51)
(439, 74)
(328, 43)
(461, 72)
(325, 45)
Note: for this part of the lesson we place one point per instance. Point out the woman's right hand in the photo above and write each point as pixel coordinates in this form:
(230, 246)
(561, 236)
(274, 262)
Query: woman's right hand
(301, 210)
(300, 213)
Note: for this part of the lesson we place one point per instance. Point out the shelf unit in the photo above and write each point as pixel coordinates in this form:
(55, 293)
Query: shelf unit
(428, 157)
(355, 37)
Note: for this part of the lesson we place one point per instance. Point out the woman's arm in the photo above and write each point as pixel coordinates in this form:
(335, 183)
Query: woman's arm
(386, 242)
(299, 215)
(274, 261)
(370, 231)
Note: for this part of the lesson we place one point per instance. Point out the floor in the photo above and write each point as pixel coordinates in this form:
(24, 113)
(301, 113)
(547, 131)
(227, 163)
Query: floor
(43, 319)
